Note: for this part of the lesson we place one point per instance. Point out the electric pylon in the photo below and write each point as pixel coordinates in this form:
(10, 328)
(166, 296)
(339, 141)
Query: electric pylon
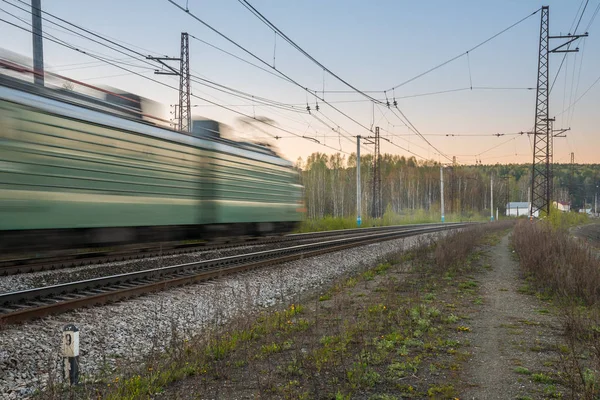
(185, 114)
(540, 187)
(541, 177)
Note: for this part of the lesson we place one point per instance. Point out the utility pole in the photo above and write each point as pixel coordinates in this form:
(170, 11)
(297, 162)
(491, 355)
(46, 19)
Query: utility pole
(376, 211)
(442, 191)
(358, 197)
(185, 116)
(541, 176)
(507, 178)
(38, 42)
(491, 197)
(508, 194)
(572, 175)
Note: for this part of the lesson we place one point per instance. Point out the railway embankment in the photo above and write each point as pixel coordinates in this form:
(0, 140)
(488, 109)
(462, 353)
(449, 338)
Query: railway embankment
(116, 339)
(397, 325)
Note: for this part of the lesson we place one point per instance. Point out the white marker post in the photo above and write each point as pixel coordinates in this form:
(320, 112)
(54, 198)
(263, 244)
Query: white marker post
(70, 350)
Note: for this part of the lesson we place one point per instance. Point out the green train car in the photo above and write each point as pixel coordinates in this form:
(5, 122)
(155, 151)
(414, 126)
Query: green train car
(72, 175)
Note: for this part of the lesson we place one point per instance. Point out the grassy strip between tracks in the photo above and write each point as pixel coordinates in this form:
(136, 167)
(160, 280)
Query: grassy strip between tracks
(329, 223)
(398, 328)
(565, 273)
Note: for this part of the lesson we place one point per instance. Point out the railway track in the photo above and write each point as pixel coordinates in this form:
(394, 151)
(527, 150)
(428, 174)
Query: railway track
(29, 304)
(59, 261)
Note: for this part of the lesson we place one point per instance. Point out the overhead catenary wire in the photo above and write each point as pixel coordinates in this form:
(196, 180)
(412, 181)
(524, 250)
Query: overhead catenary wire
(261, 17)
(587, 28)
(260, 99)
(464, 53)
(569, 45)
(580, 97)
(578, 81)
(245, 97)
(239, 58)
(198, 19)
(281, 34)
(162, 83)
(416, 131)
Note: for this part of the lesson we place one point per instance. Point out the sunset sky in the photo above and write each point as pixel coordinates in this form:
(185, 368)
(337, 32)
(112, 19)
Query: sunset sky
(373, 45)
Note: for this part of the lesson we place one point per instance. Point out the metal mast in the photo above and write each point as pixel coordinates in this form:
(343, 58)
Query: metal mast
(571, 194)
(185, 114)
(184, 117)
(358, 190)
(540, 187)
(38, 42)
(376, 211)
(541, 177)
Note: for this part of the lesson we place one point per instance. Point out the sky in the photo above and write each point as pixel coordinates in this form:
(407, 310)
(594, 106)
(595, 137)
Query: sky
(372, 45)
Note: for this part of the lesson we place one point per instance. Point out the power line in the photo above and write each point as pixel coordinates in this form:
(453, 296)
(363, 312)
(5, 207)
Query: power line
(192, 15)
(580, 97)
(587, 28)
(254, 11)
(62, 43)
(257, 98)
(83, 36)
(463, 54)
(416, 131)
(240, 58)
(581, 16)
(261, 17)
(410, 96)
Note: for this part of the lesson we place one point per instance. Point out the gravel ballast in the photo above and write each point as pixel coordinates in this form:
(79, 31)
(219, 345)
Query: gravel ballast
(130, 330)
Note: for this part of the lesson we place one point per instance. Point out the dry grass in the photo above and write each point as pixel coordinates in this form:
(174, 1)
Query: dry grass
(389, 332)
(558, 262)
(454, 249)
(568, 274)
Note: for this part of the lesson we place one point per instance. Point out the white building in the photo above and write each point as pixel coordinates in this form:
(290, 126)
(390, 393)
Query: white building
(519, 209)
(561, 206)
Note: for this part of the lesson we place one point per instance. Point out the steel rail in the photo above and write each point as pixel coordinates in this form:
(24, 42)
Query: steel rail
(56, 262)
(29, 304)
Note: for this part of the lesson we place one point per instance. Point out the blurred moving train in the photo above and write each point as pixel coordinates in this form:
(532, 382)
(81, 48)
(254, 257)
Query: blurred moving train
(77, 171)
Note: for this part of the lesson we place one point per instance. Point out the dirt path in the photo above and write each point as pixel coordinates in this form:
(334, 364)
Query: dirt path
(514, 336)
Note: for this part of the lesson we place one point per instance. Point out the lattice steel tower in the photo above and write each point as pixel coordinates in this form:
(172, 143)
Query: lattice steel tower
(185, 114)
(540, 177)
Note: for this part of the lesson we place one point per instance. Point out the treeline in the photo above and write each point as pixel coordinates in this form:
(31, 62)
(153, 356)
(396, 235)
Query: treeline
(408, 184)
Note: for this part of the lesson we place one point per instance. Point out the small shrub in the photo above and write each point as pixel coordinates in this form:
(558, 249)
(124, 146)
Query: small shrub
(541, 378)
(522, 370)
(326, 296)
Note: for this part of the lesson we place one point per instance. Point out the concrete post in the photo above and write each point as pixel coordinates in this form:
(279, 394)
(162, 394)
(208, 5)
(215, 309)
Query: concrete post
(358, 197)
(442, 191)
(70, 351)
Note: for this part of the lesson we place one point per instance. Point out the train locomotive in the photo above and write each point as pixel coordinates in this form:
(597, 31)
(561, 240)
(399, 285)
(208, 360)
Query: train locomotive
(76, 174)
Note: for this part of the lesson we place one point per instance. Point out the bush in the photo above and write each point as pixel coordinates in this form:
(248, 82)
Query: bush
(557, 261)
(564, 220)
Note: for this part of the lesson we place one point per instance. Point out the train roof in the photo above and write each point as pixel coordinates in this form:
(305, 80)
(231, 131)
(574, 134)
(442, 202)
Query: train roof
(87, 108)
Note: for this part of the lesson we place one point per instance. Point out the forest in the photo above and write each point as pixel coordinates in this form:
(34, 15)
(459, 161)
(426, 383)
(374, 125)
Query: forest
(409, 186)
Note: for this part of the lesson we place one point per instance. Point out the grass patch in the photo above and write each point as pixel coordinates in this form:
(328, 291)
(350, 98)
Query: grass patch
(522, 371)
(400, 337)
